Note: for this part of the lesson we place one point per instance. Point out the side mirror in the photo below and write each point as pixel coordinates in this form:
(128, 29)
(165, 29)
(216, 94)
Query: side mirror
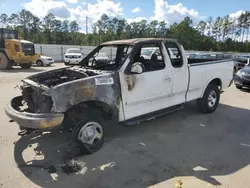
(137, 68)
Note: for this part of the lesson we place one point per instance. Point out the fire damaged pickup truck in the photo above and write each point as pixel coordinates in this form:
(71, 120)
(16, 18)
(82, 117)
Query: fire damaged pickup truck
(137, 79)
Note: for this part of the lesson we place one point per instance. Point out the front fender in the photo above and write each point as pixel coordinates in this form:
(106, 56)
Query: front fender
(73, 93)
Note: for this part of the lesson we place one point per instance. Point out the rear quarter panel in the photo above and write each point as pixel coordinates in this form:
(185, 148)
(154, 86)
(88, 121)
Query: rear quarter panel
(201, 74)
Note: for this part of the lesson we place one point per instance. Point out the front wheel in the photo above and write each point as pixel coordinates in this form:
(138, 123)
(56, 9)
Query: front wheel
(25, 65)
(5, 63)
(89, 133)
(210, 100)
(39, 63)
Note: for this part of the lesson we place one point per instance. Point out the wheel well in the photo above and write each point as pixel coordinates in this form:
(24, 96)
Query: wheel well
(104, 109)
(217, 82)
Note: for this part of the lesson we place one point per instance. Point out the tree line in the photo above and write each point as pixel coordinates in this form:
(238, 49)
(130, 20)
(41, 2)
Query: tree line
(221, 34)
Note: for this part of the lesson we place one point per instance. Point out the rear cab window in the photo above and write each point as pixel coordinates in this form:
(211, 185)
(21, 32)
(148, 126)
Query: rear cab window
(175, 54)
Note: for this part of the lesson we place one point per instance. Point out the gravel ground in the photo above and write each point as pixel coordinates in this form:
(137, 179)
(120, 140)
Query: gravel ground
(195, 149)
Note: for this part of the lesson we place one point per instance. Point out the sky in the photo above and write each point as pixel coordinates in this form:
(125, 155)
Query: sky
(133, 10)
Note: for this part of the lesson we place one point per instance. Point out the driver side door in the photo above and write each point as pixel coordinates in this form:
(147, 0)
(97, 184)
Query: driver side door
(150, 90)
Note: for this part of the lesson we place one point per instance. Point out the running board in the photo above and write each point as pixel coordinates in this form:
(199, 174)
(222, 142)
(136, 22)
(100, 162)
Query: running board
(153, 115)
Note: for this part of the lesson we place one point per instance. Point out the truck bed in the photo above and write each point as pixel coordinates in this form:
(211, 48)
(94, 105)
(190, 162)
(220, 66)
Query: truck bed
(202, 73)
(192, 61)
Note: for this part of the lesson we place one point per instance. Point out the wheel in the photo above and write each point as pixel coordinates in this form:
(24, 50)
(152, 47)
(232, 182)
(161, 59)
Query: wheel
(25, 65)
(66, 63)
(39, 63)
(210, 100)
(5, 63)
(89, 132)
(238, 86)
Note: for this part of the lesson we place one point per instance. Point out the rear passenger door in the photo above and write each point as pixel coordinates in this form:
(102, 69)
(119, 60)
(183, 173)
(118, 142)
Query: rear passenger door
(179, 70)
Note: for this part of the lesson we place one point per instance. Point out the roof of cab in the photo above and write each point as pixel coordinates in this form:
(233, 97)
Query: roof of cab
(137, 40)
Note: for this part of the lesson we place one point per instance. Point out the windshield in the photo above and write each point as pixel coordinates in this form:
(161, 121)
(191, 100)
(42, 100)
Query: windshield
(107, 57)
(73, 51)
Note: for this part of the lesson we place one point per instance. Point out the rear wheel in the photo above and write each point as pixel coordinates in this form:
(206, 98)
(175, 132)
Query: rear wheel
(39, 63)
(88, 131)
(210, 100)
(25, 65)
(5, 63)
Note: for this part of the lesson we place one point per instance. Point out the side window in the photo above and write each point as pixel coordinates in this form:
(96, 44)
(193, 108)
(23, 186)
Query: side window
(150, 57)
(174, 53)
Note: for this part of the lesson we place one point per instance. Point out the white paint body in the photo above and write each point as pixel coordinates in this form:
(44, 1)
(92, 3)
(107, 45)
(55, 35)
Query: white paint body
(73, 56)
(46, 60)
(170, 86)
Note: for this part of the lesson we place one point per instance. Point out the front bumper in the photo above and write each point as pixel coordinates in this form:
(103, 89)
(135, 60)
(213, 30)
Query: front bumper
(47, 62)
(72, 61)
(32, 120)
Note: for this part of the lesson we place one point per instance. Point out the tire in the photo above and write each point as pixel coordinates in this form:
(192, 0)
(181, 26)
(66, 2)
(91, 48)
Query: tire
(39, 63)
(25, 65)
(210, 100)
(238, 87)
(65, 63)
(5, 63)
(84, 126)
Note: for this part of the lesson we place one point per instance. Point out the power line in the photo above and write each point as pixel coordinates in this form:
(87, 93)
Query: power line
(86, 24)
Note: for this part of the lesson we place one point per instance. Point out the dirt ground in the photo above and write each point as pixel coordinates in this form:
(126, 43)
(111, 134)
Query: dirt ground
(198, 150)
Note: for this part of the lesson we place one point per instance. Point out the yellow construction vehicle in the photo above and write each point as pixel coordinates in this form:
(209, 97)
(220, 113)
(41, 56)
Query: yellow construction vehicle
(14, 51)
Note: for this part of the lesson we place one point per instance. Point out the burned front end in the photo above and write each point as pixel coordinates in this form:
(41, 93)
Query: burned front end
(34, 109)
(48, 95)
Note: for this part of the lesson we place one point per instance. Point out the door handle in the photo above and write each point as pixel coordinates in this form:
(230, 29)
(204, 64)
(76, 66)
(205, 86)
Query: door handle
(167, 79)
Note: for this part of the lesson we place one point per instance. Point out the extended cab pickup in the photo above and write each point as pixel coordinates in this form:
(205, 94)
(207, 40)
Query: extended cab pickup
(127, 88)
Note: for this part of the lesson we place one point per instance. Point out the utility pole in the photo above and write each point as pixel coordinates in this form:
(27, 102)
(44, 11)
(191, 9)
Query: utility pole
(86, 24)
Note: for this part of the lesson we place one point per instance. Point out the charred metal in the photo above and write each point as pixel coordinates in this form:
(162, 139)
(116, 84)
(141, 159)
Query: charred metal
(63, 89)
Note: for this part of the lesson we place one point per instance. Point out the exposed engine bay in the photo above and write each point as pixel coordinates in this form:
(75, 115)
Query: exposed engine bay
(61, 76)
(33, 95)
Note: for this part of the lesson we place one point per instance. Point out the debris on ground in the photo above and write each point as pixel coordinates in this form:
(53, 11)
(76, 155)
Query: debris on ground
(103, 167)
(179, 184)
(247, 145)
(202, 125)
(73, 166)
(142, 144)
(51, 169)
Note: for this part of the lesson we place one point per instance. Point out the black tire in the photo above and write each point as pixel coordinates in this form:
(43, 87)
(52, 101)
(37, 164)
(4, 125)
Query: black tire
(66, 63)
(238, 87)
(39, 63)
(206, 104)
(89, 118)
(5, 63)
(25, 65)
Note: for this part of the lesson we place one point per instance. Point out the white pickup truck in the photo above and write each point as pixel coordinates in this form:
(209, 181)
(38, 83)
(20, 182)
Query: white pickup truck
(129, 90)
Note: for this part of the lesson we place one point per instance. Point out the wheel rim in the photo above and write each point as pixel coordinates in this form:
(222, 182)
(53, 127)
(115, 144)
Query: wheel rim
(91, 133)
(212, 99)
(39, 63)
